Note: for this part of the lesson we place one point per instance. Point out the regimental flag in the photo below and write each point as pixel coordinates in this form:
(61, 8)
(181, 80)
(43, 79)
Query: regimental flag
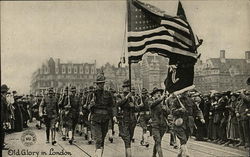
(181, 73)
(151, 30)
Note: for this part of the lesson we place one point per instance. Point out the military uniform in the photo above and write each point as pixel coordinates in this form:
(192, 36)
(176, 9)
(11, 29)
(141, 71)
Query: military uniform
(101, 111)
(127, 118)
(144, 117)
(49, 111)
(159, 112)
(72, 110)
(185, 124)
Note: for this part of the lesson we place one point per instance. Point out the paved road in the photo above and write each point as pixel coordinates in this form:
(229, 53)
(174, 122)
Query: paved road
(116, 149)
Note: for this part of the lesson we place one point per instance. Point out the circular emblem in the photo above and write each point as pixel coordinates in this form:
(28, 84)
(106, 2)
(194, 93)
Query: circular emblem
(28, 138)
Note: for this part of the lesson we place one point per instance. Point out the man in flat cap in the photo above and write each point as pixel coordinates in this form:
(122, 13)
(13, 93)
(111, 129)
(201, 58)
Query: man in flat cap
(101, 107)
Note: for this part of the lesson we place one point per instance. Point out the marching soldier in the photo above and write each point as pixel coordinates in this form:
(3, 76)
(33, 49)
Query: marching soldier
(144, 116)
(184, 110)
(159, 112)
(86, 113)
(170, 121)
(80, 119)
(72, 112)
(127, 121)
(111, 122)
(61, 104)
(48, 109)
(101, 110)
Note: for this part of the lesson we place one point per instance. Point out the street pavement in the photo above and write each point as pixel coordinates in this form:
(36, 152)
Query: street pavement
(81, 148)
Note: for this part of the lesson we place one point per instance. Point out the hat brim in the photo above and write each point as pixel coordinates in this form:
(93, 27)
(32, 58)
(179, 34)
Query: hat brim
(125, 85)
(158, 90)
(99, 82)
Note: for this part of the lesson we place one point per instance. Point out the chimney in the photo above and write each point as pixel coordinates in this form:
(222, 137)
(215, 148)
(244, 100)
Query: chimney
(222, 56)
(247, 56)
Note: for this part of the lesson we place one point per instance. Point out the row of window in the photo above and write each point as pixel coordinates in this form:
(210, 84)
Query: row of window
(74, 70)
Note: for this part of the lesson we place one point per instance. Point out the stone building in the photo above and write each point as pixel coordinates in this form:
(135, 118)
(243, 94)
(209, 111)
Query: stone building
(222, 74)
(55, 74)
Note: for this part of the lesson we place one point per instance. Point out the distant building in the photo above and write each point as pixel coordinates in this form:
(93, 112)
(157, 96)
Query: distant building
(55, 74)
(149, 73)
(154, 70)
(222, 73)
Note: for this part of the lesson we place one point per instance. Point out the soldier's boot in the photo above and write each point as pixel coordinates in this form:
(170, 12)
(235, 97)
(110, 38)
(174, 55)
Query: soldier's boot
(89, 137)
(154, 151)
(85, 133)
(53, 136)
(47, 135)
(64, 134)
(128, 152)
(184, 151)
(110, 135)
(70, 137)
(145, 140)
(98, 153)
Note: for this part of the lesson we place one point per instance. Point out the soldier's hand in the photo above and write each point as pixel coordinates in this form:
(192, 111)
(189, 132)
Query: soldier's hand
(115, 120)
(203, 121)
(81, 113)
(150, 120)
(237, 114)
(129, 95)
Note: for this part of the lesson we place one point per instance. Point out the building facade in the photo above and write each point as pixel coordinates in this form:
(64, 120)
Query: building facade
(222, 74)
(55, 74)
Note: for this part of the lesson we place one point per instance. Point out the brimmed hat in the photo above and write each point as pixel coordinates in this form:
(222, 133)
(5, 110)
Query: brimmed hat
(51, 90)
(4, 88)
(91, 88)
(73, 89)
(112, 90)
(100, 79)
(132, 89)
(144, 91)
(126, 83)
(156, 90)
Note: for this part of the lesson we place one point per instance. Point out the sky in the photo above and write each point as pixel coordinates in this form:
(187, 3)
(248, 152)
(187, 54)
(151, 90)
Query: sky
(84, 31)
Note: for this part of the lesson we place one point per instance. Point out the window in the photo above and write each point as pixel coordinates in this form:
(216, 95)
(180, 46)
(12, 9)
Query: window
(81, 70)
(86, 70)
(92, 70)
(63, 70)
(75, 69)
(69, 70)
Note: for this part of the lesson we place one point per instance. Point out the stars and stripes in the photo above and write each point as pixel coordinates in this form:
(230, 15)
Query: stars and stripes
(151, 30)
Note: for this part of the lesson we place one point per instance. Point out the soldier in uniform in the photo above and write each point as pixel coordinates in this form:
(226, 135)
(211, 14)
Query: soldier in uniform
(61, 103)
(159, 112)
(48, 109)
(111, 122)
(127, 120)
(86, 113)
(144, 116)
(101, 110)
(72, 111)
(170, 119)
(184, 110)
(80, 118)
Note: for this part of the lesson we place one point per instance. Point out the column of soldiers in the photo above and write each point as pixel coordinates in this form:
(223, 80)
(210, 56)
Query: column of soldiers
(223, 118)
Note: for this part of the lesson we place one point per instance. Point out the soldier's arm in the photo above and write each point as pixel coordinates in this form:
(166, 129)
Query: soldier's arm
(41, 107)
(122, 101)
(155, 103)
(197, 111)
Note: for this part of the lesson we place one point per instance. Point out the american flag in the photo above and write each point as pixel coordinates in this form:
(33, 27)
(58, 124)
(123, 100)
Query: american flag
(152, 30)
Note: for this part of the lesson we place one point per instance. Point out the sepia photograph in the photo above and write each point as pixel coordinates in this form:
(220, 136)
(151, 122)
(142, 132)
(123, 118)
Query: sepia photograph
(125, 78)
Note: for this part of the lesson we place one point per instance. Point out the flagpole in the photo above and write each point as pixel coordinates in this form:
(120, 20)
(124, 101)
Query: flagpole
(129, 70)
